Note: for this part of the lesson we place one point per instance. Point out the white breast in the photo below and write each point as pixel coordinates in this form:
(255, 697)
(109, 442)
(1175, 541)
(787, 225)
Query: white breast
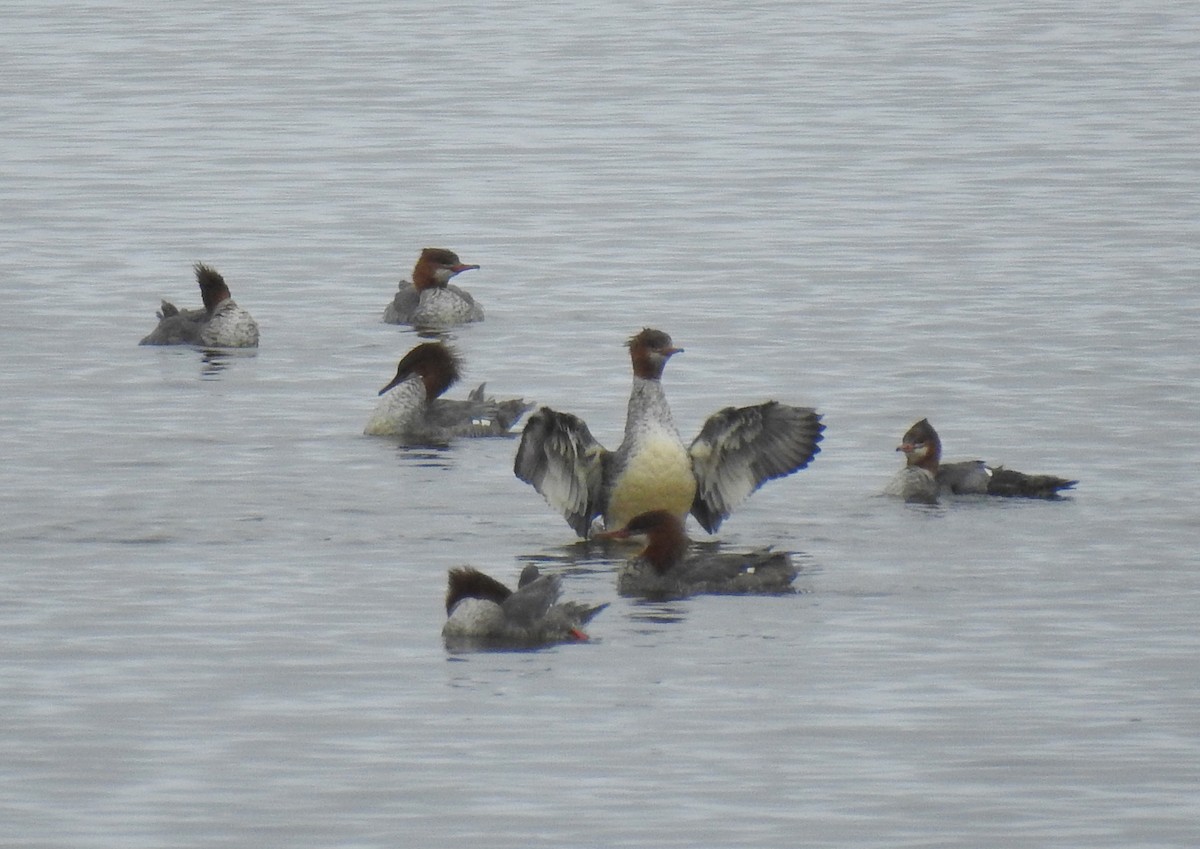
(399, 410)
(656, 475)
(445, 307)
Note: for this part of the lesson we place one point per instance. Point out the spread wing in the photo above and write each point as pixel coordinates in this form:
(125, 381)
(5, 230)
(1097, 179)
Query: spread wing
(740, 449)
(561, 459)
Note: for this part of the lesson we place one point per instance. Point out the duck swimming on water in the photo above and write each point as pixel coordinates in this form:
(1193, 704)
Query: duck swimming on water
(737, 450)
(665, 568)
(410, 406)
(430, 300)
(925, 478)
(481, 610)
(221, 323)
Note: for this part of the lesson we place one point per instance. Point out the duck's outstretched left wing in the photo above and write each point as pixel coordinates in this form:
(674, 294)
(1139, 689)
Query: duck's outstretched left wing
(741, 448)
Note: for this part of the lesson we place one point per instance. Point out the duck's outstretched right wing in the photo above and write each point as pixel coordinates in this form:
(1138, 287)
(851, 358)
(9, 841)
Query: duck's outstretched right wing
(560, 458)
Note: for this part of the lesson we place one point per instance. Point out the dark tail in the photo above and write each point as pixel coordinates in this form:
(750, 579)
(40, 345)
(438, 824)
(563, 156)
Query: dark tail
(1013, 484)
(580, 611)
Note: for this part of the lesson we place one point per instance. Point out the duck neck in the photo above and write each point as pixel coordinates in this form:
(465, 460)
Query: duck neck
(929, 458)
(423, 277)
(666, 549)
(647, 405)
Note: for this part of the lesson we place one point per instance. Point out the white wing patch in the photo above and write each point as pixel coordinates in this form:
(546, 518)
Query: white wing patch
(739, 449)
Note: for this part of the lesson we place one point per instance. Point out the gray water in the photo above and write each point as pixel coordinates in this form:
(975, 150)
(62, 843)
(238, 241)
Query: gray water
(221, 607)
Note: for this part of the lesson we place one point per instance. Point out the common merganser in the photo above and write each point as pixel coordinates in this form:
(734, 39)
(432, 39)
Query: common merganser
(429, 300)
(481, 610)
(410, 407)
(737, 450)
(220, 324)
(925, 478)
(664, 568)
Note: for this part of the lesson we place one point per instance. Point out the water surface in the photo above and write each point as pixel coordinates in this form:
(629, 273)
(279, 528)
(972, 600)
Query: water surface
(222, 605)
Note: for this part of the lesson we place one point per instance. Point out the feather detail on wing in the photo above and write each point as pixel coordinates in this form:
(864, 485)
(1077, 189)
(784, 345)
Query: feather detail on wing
(401, 308)
(177, 327)
(561, 459)
(739, 449)
(530, 603)
(964, 477)
(479, 415)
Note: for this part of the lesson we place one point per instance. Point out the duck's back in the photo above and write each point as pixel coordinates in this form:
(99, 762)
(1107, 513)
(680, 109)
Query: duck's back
(445, 305)
(757, 572)
(760, 572)
(400, 309)
(478, 415)
(230, 327)
(475, 618)
(176, 326)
